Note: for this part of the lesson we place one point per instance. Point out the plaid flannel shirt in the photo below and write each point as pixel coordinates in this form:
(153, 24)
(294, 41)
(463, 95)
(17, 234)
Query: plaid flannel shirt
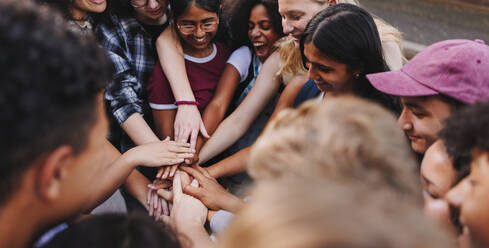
(133, 54)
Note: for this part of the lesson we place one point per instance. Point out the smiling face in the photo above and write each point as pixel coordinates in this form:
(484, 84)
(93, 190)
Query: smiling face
(82, 7)
(331, 77)
(296, 14)
(197, 27)
(261, 32)
(471, 197)
(153, 13)
(421, 119)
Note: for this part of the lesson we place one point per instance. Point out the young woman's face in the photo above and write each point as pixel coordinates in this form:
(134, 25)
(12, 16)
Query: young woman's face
(261, 32)
(330, 76)
(197, 27)
(296, 14)
(81, 7)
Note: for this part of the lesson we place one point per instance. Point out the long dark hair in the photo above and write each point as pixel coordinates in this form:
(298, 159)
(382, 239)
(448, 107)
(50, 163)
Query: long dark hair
(347, 34)
(237, 12)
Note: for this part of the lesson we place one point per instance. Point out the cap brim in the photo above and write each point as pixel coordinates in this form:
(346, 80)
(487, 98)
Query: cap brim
(398, 83)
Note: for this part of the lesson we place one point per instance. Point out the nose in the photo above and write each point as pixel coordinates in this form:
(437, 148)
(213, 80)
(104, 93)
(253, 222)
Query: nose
(286, 26)
(457, 194)
(255, 33)
(312, 74)
(199, 31)
(404, 121)
(153, 4)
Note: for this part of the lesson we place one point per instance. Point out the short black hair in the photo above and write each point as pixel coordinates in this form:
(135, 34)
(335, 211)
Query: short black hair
(116, 231)
(237, 12)
(348, 34)
(51, 77)
(463, 131)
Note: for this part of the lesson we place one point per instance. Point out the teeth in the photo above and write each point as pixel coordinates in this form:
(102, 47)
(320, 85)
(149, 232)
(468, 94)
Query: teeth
(200, 40)
(256, 44)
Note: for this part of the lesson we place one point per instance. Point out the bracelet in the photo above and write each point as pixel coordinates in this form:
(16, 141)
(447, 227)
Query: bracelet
(186, 103)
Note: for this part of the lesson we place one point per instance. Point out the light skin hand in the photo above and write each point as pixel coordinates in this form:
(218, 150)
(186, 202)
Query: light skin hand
(187, 211)
(210, 192)
(188, 121)
(161, 153)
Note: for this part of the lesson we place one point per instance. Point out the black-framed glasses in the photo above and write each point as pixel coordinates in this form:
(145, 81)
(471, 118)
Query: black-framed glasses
(189, 28)
(142, 3)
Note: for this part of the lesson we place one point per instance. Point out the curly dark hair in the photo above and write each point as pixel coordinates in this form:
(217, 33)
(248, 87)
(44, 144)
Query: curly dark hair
(463, 131)
(237, 12)
(118, 231)
(51, 77)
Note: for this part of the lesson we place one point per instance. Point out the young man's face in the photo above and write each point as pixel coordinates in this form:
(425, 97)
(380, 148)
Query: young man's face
(85, 168)
(471, 196)
(421, 119)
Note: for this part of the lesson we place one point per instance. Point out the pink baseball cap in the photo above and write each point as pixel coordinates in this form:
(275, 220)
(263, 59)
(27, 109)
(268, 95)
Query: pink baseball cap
(458, 69)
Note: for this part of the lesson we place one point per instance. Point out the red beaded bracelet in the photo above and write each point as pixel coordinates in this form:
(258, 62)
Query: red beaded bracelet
(186, 103)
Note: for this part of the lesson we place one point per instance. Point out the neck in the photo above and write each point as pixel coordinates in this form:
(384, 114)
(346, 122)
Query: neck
(198, 53)
(78, 15)
(18, 224)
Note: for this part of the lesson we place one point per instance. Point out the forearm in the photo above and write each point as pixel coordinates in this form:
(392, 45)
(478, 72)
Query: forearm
(117, 172)
(136, 185)
(138, 130)
(231, 165)
(170, 54)
(228, 132)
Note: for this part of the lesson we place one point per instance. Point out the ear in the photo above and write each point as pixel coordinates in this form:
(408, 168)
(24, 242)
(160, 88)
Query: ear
(332, 2)
(52, 170)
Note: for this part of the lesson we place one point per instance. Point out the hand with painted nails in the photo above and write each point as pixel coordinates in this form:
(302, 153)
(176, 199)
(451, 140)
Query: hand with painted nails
(161, 153)
(210, 192)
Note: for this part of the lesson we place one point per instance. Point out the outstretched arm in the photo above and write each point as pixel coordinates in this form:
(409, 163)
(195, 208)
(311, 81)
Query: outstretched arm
(119, 167)
(188, 121)
(237, 162)
(234, 126)
(216, 109)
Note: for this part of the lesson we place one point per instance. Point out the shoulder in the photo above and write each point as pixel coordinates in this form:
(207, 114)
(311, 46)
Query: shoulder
(308, 91)
(223, 49)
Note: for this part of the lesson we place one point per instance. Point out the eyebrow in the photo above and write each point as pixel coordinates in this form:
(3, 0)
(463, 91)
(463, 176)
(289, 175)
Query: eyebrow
(414, 105)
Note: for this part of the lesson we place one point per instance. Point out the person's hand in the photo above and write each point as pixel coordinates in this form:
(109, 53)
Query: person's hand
(158, 206)
(210, 192)
(188, 122)
(187, 211)
(161, 153)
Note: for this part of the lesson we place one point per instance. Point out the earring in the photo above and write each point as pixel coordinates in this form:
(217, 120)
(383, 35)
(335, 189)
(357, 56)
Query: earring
(357, 76)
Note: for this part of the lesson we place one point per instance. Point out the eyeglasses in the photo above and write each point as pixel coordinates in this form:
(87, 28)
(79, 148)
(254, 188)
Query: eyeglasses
(189, 28)
(142, 3)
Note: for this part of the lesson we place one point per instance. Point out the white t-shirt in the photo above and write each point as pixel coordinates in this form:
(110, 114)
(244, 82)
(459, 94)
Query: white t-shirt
(241, 60)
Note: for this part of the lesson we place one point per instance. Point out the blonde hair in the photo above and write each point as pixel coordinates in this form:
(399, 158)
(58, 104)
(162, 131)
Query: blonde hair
(291, 59)
(290, 213)
(343, 139)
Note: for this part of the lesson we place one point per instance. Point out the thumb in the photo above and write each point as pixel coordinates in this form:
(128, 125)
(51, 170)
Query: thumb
(167, 138)
(193, 191)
